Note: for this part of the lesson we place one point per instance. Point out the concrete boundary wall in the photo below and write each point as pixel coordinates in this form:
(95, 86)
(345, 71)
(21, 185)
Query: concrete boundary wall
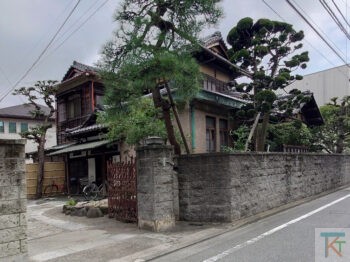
(227, 187)
(13, 223)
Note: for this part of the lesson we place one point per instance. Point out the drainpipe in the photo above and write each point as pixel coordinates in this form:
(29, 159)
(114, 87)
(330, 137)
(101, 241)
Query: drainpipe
(92, 96)
(193, 127)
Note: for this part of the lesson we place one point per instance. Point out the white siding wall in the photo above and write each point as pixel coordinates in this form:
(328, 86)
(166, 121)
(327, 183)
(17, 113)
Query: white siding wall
(30, 145)
(326, 84)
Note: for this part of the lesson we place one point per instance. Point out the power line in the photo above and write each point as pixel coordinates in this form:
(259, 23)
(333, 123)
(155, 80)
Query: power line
(80, 26)
(308, 42)
(34, 46)
(340, 12)
(43, 52)
(317, 32)
(77, 20)
(334, 17)
(325, 35)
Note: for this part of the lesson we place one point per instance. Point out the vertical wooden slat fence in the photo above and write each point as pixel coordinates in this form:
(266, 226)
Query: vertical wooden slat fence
(53, 171)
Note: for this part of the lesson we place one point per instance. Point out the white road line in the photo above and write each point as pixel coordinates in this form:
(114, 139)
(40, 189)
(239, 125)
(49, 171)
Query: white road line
(272, 231)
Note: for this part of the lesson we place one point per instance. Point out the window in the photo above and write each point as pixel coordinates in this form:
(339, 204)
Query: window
(74, 107)
(61, 112)
(2, 127)
(99, 100)
(210, 133)
(24, 127)
(12, 127)
(223, 125)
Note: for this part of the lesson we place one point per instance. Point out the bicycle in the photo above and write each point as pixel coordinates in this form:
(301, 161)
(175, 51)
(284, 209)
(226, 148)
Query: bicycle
(77, 185)
(95, 192)
(53, 189)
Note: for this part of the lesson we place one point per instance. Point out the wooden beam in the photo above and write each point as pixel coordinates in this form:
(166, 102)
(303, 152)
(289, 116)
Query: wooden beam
(177, 118)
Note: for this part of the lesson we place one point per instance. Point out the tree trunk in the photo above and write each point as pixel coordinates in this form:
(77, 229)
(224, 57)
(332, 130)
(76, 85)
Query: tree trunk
(262, 133)
(41, 162)
(159, 102)
(339, 145)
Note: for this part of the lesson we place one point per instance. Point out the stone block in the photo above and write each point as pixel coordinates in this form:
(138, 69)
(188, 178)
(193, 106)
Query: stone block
(9, 249)
(12, 234)
(24, 245)
(23, 219)
(13, 206)
(10, 192)
(9, 221)
(165, 224)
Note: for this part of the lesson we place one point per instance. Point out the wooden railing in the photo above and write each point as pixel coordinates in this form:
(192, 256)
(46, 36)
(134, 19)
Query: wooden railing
(295, 149)
(212, 84)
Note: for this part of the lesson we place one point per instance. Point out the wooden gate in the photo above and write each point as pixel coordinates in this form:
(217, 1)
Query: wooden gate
(122, 190)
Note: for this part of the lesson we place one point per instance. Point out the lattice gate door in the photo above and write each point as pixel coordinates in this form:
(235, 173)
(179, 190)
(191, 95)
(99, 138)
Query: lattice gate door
(122, 190)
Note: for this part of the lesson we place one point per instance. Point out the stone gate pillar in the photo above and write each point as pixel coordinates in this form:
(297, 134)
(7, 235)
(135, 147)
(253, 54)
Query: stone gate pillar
(155, 187)
(13, 224)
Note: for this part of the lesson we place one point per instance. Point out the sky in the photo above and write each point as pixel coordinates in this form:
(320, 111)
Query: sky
(26, 28)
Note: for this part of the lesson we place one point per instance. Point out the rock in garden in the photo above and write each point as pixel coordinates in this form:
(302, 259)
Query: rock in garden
(94, 212)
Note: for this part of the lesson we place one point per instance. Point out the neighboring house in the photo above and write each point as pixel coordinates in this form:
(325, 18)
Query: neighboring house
(17, 119)
(326, 84)
(308, 112)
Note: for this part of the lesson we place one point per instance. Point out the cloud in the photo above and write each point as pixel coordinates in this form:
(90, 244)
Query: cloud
(27, 26)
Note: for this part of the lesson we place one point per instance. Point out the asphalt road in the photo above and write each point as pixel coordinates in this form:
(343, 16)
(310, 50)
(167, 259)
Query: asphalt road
(286, 236)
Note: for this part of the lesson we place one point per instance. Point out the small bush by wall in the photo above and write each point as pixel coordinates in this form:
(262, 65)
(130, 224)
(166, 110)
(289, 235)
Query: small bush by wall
(227, 187)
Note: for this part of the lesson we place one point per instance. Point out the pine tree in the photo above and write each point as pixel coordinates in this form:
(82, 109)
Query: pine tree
(152, 48)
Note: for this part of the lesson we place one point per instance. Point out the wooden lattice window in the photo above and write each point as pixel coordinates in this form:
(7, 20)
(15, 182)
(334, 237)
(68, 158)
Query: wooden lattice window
(210, 133)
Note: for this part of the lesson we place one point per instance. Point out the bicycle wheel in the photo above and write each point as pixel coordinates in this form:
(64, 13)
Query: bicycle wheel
(47, 190)
(90, 192)
(51, 190)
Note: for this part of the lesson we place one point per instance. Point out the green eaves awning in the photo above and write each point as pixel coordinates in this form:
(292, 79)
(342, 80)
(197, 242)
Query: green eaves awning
(220, 99)
(80, 147)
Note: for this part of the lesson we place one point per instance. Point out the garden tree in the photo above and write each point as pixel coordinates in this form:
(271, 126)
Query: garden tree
(41, 91)
(289, 133)
(266, 49)
(151, 50)
(334, 135)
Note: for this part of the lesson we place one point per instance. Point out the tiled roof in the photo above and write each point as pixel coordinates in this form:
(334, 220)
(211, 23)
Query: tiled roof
(95, 127)
(82, 68)
(213, 39)
(21, 111)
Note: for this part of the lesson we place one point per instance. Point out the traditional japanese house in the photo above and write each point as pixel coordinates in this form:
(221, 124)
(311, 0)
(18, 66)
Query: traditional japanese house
(206, 120)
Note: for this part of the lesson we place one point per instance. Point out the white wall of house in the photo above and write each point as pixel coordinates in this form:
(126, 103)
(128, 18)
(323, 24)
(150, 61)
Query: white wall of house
(326, 84)
(30, 145)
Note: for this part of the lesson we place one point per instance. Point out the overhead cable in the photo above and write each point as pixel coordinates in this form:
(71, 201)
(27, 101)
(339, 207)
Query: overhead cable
(317, 32)
(42, 53)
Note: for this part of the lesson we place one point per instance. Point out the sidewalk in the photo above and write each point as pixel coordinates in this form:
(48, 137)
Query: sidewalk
(53, 236)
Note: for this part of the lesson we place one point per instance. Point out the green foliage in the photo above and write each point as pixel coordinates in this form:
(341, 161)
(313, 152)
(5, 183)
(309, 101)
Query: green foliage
(153, 46)
(334, 135)
(41, 91)
(134, 121)
(291, 133)
(71, 202)
(240, 136)
(264, 49)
